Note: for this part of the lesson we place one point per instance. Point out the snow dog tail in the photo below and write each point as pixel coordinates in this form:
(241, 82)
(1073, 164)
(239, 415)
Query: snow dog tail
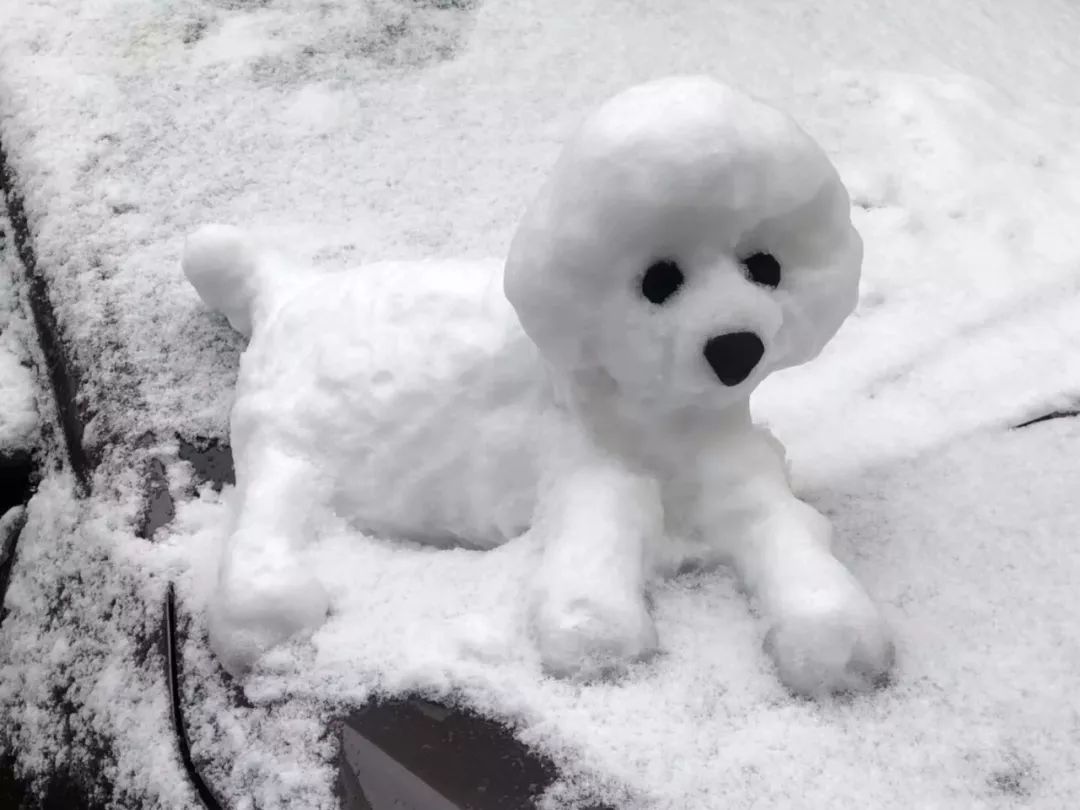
(226, 269)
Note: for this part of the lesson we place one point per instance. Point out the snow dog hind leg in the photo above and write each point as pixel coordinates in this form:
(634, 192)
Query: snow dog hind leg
(264, 594)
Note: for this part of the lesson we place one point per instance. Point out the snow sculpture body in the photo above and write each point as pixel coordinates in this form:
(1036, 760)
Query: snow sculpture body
(689, 242)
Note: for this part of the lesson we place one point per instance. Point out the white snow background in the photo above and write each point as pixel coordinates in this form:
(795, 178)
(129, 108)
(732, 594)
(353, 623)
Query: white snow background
(350, 131)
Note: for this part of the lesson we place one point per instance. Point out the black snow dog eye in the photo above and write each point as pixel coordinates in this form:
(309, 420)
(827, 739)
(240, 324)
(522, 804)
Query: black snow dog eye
(763, 268)
(661, 281)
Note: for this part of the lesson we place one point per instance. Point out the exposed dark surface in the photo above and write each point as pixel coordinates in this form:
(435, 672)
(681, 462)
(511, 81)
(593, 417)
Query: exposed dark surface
(61, 790)
(1047, 417)
(61, 793)
(172, 664)
(61, 371)
(158, 506)
(409, 754)
(211, 458)
(424, 756)
(16, 479)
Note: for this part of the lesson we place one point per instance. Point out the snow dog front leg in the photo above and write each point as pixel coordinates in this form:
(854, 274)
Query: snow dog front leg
(825, 634)
(595, 517)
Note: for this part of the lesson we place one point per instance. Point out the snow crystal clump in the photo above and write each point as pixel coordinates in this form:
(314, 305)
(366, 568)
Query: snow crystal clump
(18, 406)
(18, 411)
(689, 242)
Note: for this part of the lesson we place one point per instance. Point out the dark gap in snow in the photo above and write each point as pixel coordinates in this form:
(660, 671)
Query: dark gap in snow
(1047, 417)
(213, 464)
(413, 753)
(211, 458)
(158, 507)
(59, 364)
(16, 479)
(62, 792)
(172, 663)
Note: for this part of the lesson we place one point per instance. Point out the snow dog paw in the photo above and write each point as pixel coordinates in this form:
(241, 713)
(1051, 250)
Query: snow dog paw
(831, 644)
(586, 638)
(261, 612)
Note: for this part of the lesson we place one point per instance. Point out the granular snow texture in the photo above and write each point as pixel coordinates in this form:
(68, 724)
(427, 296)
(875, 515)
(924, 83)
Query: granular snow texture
(345, 132)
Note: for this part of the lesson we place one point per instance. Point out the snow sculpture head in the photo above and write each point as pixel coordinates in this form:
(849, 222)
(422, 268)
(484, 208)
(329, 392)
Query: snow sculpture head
(689, 241)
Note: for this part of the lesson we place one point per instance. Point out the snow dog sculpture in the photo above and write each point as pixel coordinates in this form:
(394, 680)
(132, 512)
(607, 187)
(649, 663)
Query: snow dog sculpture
(594, 391)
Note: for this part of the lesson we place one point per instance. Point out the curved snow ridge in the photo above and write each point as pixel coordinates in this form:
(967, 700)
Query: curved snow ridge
(945, 139)
(970, 299)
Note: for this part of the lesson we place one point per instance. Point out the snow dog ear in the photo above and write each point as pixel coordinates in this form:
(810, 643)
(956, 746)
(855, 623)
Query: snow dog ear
(550, 299)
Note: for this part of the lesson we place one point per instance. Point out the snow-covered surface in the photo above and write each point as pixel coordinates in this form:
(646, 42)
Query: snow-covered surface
(18, 406)
(349, 132)
(689, 242)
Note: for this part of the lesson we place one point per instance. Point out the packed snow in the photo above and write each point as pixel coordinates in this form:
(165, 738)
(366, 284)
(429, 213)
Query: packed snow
(345, 136)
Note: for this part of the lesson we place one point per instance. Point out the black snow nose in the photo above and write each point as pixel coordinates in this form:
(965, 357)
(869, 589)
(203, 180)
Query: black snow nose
(734, 356)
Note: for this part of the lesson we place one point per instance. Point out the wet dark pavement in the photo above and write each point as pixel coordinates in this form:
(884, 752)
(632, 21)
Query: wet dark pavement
(417, 755)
